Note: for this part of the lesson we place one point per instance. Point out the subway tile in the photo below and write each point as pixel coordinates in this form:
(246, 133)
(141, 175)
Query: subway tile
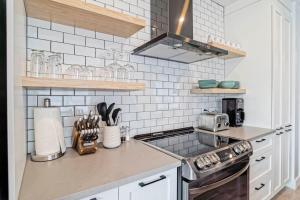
(73, 100)
(74, 39)
(38, 44)
(62, 48)
(96, 43)
(50, 35)
(62, 28)
(74, 59)
(85, 51)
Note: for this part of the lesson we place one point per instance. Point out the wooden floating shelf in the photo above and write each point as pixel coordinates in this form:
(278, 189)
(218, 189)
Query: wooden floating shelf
(81, 84)
(232, 52)
(84, 15)
(217, 91)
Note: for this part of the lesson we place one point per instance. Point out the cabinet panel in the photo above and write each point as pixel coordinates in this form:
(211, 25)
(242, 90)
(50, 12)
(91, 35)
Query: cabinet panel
(277, 161)
(286, 86)
(159, 187)
(277, 59)
(286, 155)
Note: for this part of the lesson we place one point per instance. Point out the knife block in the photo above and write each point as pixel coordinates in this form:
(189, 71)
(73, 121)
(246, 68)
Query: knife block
(81, 146)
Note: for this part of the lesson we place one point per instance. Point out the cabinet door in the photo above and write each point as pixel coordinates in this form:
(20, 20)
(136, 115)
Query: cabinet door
(112, 194)
(277, 60)
(286, 155)
(286, 85)
(159, 187)
(277, 161)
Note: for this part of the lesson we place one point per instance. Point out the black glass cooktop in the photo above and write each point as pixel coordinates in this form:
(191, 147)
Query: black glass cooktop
(186, 142)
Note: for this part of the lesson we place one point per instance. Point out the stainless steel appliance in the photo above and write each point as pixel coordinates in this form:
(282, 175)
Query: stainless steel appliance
(234, 107)
(213, 167)
(213, 121)
(172, 34)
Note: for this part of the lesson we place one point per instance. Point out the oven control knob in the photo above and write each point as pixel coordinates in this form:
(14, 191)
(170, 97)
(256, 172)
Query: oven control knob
(237, 150)
(207, 161)
(200, 164)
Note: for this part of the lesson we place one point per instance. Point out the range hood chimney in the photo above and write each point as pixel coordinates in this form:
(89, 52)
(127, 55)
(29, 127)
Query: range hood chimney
(172, 34)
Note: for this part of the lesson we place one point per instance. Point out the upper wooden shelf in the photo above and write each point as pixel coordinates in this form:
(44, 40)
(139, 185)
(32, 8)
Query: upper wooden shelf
(217, 91)
(81, 84)
(232, 52)
(84, 15)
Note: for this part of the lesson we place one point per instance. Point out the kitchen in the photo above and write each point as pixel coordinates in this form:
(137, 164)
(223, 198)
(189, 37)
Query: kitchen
(137, 88)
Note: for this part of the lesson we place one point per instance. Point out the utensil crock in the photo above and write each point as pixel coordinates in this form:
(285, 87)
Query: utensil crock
(111, 137)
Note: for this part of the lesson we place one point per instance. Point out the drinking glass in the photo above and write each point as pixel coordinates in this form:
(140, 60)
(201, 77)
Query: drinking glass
(37, 65)
(108, 73)
(74, 72)
(130, 70)
(91, 72)
(54, 69)
(122, 73)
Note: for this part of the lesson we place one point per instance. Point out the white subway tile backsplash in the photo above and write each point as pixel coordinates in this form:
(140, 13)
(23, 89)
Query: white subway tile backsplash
(166, 102)
(38, 44)
(32, 31)
(74, 39)
(46, 34)
(85, 51)
(74, 60)
(73, 100)
(62, 28)
(96, 43)
(62, 48)
(38, 23)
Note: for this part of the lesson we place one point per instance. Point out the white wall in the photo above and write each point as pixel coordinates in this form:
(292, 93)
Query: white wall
(16, 64)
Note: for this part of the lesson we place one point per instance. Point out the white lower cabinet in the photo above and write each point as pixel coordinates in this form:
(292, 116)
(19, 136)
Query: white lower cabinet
(270, 164)
(159, 187)
(112, 194)
(162, 186)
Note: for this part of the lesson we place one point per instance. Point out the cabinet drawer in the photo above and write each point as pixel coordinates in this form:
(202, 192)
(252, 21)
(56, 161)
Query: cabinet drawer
(261, 188)
(262, 142)
(107, 195)
(260, 164)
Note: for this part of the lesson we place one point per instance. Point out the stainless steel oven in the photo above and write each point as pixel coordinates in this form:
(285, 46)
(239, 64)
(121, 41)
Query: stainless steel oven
(213, 167)
(231, 183)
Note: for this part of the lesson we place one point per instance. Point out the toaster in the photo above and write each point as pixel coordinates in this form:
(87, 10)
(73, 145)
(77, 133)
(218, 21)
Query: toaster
(213, 121)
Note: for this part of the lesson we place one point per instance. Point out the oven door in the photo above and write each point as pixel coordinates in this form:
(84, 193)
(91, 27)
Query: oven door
(231, 183)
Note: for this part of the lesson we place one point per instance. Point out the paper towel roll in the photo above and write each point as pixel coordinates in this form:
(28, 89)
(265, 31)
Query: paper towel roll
(49, 138)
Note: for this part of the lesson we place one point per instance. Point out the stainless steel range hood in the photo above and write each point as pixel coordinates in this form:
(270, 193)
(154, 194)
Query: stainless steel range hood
(172, 34)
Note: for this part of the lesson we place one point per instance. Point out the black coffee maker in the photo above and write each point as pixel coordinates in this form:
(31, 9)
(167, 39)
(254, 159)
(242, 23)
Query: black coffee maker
(234, 107)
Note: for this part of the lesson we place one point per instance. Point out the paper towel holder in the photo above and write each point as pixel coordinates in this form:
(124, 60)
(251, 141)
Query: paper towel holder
(45, 158)
(40, 158)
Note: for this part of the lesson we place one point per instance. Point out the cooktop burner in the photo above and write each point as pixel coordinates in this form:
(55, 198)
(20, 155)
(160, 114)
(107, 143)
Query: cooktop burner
(186, 142)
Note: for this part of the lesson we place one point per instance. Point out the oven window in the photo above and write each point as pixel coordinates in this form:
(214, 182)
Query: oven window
(234, 190)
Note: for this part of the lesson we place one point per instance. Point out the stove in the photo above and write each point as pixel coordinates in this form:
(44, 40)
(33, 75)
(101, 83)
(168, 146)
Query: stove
(207, 160)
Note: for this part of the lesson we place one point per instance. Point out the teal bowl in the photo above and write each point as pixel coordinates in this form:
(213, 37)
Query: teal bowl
(204, 84)
(229, 84)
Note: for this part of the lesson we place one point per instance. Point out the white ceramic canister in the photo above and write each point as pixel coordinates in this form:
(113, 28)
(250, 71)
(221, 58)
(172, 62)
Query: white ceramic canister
(111, 137)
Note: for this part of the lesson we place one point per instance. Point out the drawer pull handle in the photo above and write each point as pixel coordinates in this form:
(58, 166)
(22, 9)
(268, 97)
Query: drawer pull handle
(258, 141)
(278, 129)
(261, 159)
(288, 130)
(261, 186)
(288, 126)
(162, 177)
(280, 133)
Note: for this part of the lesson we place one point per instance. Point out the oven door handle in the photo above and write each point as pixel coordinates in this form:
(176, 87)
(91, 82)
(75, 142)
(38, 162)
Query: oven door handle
(205, 188)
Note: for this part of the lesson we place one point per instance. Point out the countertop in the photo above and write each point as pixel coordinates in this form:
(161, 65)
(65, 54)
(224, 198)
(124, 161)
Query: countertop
(243, 133)
(75, 177)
